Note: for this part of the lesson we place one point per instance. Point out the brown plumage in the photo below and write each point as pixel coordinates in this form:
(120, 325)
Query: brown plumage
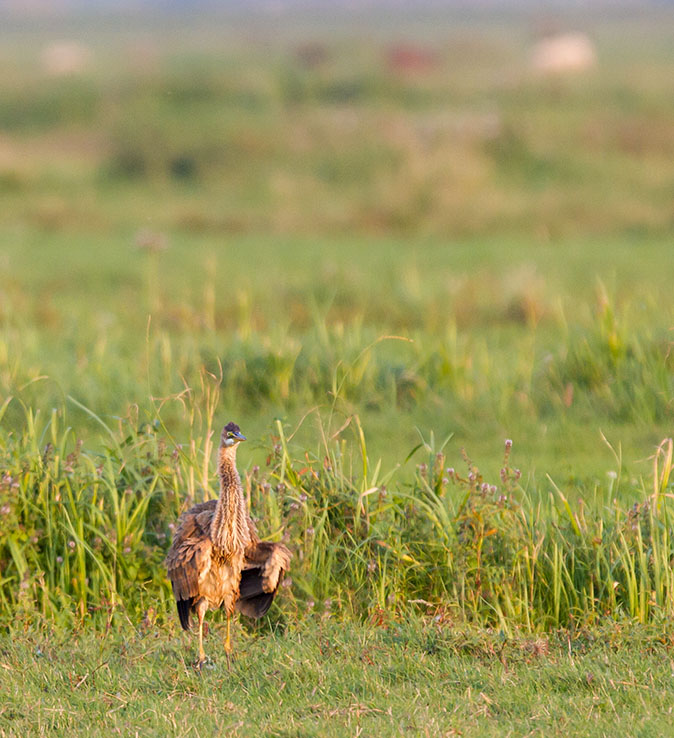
(216, 558)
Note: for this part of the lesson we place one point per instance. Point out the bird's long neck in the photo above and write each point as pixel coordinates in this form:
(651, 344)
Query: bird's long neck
(229, 529)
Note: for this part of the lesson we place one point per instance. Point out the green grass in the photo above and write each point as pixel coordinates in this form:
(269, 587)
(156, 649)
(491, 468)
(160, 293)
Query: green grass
(320, 678)
(85, 532)
(548, 345)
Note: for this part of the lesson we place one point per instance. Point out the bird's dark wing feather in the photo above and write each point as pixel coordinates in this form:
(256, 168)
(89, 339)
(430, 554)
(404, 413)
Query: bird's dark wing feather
(189, 557)
(264, 566)
(253, 600)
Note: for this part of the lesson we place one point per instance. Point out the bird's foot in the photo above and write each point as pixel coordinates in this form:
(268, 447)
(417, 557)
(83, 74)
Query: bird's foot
(204, 663)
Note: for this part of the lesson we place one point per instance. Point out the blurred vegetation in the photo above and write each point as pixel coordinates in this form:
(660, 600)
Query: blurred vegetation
(236, 128)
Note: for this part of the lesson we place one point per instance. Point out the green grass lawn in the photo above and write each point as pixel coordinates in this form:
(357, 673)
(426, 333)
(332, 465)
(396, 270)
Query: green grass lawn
(323, 678)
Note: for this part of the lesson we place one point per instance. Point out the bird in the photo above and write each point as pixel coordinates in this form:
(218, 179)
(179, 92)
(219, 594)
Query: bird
(217, 559)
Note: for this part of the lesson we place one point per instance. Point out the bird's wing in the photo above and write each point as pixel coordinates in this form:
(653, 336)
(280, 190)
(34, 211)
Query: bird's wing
(263, 568)
(189, 558)
(272, 559)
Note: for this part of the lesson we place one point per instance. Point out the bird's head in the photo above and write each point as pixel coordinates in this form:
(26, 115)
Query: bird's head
(231, 435)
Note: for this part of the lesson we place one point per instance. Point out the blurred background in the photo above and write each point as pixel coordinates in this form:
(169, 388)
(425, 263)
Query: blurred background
(440, 118)
(264, 190)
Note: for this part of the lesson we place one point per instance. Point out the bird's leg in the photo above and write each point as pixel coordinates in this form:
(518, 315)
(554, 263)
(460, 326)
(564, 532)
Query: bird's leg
(228, 644)
(228, 640)
(202, 607)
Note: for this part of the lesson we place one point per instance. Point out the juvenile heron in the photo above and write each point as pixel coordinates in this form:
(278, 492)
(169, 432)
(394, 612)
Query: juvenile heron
(216, 558)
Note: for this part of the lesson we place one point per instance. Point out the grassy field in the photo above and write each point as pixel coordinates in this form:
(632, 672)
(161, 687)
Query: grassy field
(329, 679)
(381, 274)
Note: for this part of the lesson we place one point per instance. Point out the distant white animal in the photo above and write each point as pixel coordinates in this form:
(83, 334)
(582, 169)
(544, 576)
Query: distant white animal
(563, 53)
(63, 58)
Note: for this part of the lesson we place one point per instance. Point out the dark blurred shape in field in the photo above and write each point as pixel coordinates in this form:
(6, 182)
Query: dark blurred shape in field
(312, 54)
(408, 59)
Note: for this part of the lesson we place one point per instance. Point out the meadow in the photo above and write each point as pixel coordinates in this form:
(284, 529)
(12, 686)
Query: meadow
(438, 302)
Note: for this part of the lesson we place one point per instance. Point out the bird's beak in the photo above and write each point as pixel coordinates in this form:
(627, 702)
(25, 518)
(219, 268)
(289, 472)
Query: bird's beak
(239, 436)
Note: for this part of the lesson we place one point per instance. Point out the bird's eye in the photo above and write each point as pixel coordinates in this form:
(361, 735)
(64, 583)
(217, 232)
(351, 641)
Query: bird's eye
(230, 434)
